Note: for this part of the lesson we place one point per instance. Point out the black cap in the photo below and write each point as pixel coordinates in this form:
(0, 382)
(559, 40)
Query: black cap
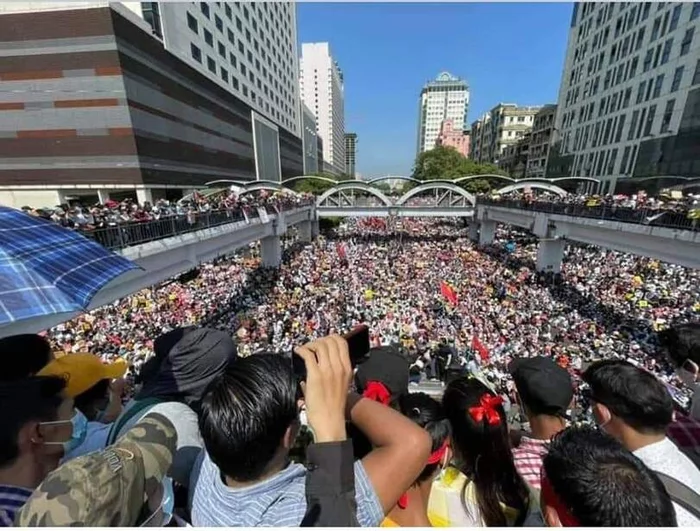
(544, 387)
(385, 365)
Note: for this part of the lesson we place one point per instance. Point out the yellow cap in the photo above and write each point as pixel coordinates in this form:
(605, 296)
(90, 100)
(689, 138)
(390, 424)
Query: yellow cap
(83, 371)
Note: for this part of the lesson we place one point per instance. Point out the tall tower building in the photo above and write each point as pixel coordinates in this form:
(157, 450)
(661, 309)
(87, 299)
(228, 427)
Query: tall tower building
(629, 100)
(351, 154)
(445, 98)
(322, 90)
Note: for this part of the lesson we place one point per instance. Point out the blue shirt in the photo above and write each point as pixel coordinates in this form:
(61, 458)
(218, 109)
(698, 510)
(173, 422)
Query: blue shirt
(279, 501)
(12, 499)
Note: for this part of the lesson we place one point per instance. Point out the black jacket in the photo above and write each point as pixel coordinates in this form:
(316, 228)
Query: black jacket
(330, 486)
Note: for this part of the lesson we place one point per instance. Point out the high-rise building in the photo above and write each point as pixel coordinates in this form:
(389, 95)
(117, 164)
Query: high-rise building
(444, 98)
(629, 100)
(502, 126)
(451, 137)
(542, 128)
(108, 100)
(351, 154)
(322, 90)
(309, 138)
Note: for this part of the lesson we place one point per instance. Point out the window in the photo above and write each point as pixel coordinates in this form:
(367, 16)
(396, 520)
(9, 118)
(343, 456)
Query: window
(245, 13)
(227, 9)
(655, 30)
(211, 65)
(633, 66)
(219, 24)
(241, 48)
(687, 39)
(222, 50)
(620, 125)
(205, 9)
(196, 53)
(245, 91)
(224, 74)
(695, 13)
(239, 25)
(249, 55)
(208, 37)
(675, 17)
(668, 113)
(696, 75)
(647, 59)
(677, 77)
(192, 23)
(667, 51)
(625, 157)
(657, 85)
(234, 82)
(231, 38)
(640, 39)
(640, 91)
(633, 125)
(232, 59)
(650, 120)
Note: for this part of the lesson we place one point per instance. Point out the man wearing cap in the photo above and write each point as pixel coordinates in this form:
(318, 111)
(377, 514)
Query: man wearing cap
(123, 485)
(95, 388)
(545, 392)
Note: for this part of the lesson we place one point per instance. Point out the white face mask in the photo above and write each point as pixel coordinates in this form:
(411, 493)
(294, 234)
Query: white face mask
(687, 377)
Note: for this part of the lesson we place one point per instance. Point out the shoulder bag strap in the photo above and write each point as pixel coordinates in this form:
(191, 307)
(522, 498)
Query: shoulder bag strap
(681, 494)
(125, 417)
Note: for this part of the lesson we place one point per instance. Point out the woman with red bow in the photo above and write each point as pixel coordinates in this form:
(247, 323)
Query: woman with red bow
(483, 487)
(412, 508)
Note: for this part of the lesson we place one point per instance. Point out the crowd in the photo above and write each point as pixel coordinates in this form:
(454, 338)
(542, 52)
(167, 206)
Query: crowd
(111, 213)
(188, 390)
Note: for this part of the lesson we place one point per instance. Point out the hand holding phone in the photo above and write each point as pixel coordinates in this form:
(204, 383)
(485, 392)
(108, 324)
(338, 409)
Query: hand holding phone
(358, 348)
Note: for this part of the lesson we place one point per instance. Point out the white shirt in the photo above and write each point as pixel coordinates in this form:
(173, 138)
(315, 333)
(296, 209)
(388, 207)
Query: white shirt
(665, 457)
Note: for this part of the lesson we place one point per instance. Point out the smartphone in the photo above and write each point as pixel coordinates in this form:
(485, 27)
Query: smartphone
(358, 348)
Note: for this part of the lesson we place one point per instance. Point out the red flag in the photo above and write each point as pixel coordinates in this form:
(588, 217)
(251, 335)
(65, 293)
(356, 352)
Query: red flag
(449, 293)
(341, 252)
(480, 348)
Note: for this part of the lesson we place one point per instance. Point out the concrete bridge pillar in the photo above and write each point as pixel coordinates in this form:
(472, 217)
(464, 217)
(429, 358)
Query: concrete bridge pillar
(271, 251)
(305, 231)
(549, 256)
(474, 231)
(315, 229)
(487, 231)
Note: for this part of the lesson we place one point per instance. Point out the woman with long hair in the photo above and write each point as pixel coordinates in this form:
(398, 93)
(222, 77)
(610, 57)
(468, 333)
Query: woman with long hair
(483, 488)
(412, 508)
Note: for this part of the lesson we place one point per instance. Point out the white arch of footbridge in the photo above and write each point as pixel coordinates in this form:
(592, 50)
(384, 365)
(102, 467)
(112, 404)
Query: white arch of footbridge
(533, 184)
(345, 186)
(436, 185)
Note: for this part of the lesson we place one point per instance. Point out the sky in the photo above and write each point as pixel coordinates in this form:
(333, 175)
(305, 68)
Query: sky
(507, 52)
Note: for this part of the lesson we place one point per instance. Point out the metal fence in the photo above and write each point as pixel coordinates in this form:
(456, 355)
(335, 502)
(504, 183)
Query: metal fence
(671, 219)
(130, 233)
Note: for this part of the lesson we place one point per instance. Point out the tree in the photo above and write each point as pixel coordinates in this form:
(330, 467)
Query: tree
(313, 186)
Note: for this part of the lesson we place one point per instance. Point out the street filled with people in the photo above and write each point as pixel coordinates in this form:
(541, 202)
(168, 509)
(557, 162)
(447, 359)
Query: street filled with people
(194, 377)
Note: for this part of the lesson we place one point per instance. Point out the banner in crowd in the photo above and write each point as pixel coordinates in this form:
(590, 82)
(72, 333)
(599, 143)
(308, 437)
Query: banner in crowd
(480, 348)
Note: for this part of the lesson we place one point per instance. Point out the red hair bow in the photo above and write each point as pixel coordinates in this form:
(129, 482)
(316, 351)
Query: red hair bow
(378, 392)
(487, 410)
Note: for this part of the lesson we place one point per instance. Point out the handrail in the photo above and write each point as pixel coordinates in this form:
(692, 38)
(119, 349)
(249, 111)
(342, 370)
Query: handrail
(130, 233)
(655, 217)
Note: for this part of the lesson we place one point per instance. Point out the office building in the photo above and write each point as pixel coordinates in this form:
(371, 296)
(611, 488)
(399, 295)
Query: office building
(444, 98)
(94, 106)
(451, 137)
(351, 155)
(322, 90)
(309, 140)
(542, 128)
(629, 100)
(501, 127)
(514, 158)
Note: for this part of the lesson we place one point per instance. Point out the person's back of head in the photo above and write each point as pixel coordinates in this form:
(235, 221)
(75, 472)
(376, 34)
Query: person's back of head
(31, 408)
(590, 480)
(481, 444)
(429, 415)
(623, 393)
(249, 416)
(23, 355)
(682, 343)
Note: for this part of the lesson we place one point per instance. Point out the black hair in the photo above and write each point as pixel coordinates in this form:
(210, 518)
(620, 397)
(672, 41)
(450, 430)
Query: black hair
(630, 393)
(604, 485)
(246, 412)
(484, 453)
(23, 355)
(682, 342)
(87, 400)
(36, 398)
(429, 415)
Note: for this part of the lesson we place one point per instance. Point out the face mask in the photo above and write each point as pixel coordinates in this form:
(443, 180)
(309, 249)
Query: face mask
(79, 423)
(100, 415)
(167, 506)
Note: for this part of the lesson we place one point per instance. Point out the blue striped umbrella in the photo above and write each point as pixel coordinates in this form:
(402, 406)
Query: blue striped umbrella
(46, 269)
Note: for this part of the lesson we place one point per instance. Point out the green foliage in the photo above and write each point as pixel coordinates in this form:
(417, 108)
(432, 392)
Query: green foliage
(445, 162)
(313, 186)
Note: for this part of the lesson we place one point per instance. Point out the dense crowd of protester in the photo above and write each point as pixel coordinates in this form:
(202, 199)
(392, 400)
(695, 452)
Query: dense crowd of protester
(180, 403)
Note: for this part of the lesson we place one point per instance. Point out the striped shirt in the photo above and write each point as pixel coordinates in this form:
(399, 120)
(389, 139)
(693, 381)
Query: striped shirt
(279, 501)
(11, 501)
(528, 459)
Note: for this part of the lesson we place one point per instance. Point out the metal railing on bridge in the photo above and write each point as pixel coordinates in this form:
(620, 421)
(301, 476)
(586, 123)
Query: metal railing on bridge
(130, 233)
(671, 219)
